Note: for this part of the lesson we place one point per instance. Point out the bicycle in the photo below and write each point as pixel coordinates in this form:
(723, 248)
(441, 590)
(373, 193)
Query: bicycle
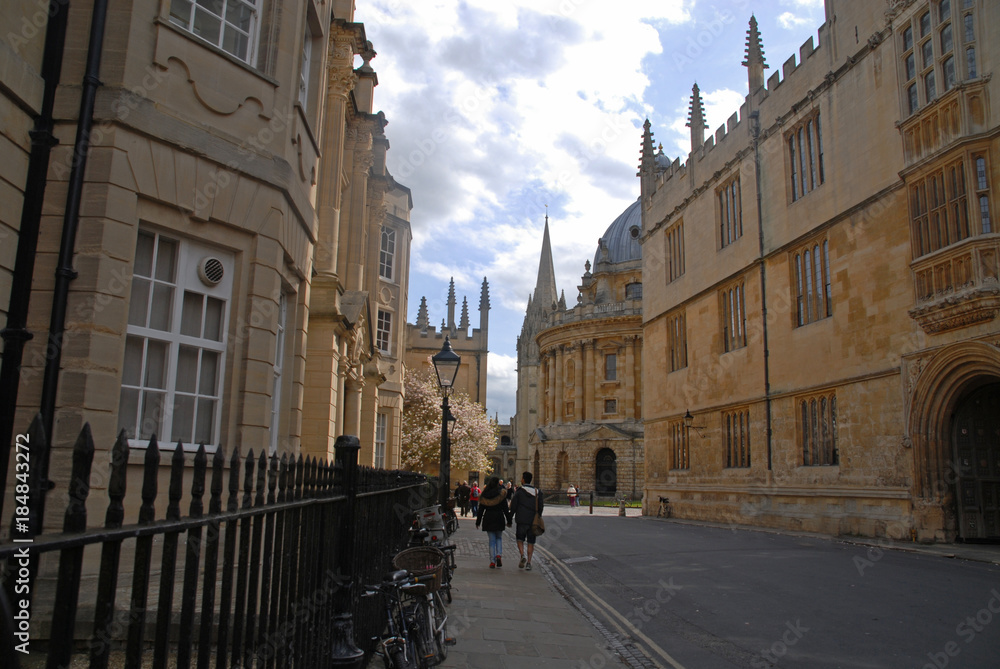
(664, 510)
(398, 646)
(429, 529)
(428, 564)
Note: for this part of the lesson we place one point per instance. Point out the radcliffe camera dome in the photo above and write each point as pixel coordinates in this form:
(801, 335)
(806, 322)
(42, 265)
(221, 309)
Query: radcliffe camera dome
(621, 240)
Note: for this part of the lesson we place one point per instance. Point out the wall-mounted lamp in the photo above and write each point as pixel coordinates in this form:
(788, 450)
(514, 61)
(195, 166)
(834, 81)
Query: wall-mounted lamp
(689, 424)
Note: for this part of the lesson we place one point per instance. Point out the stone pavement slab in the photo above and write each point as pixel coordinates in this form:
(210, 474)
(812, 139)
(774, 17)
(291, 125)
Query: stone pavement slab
(510, 618)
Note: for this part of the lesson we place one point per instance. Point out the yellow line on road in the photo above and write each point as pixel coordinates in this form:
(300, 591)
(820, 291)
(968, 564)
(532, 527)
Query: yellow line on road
(623, 624)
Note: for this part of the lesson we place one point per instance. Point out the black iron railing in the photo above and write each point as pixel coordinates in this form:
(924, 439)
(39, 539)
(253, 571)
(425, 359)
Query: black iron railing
(266, 578)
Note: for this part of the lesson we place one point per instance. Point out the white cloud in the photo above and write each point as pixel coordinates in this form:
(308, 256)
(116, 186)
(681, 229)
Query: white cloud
(790, 21)
(501, 385)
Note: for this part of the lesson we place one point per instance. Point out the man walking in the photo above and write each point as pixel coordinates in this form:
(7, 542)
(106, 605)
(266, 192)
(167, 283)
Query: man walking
(526, 503)
(462, 493)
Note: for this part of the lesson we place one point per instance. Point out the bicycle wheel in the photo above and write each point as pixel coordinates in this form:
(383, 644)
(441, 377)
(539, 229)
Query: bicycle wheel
(398, 659)
(439, 625)
(420, 632)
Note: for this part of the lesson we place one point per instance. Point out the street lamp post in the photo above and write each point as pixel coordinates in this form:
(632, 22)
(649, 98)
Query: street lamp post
(446, 364)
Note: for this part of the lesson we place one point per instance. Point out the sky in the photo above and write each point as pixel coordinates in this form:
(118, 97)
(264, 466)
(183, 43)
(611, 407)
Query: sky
(501, 111)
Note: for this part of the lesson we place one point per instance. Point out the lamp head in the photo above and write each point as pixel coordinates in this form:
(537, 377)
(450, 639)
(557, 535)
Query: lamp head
(446, 364)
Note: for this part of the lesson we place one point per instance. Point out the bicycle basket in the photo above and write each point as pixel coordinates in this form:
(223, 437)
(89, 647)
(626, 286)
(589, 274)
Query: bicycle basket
(422, 561)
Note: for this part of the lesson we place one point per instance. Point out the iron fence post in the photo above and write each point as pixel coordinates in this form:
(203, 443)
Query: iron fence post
(344, 652)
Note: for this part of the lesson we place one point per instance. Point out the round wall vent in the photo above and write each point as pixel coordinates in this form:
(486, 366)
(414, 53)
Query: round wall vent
(210, 271)
(634, 231)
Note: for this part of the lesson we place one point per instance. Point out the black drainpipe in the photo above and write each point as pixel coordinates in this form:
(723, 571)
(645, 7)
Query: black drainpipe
(71, 221)
(15, 334)
(755, 118)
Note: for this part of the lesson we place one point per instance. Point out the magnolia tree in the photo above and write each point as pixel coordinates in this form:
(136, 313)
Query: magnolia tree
(474, 435)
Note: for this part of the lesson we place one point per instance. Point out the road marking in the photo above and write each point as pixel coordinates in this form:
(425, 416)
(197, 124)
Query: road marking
(584, 558)
(611, 614)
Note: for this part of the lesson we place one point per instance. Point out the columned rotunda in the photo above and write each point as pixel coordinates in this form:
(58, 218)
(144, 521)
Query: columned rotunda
(579, 417)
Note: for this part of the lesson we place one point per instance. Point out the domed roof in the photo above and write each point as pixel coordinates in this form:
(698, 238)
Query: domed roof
(621, 239)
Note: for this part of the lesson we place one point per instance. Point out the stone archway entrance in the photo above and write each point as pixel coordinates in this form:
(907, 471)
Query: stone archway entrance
(976, 449)
(606, 472)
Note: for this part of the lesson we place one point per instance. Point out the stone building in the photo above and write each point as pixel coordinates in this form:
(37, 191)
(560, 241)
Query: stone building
(220, 253)
(579, 391)
(423, 341)
(821, 285)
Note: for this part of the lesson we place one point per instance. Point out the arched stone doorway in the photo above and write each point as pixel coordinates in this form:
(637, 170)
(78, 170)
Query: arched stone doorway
(606, 472)
(948, 392)
(534, 471)
(976, 448)
(562, 469)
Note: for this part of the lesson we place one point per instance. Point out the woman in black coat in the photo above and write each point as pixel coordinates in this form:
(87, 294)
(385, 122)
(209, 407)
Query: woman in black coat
(494, 515)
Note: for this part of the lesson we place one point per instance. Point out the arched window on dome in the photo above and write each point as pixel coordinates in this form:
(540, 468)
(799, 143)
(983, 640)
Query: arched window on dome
(633, 291)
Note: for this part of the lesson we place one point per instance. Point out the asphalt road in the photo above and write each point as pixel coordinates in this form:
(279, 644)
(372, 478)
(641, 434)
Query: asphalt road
(697, 597)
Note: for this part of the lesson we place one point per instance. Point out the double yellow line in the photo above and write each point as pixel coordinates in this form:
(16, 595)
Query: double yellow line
(608, 612)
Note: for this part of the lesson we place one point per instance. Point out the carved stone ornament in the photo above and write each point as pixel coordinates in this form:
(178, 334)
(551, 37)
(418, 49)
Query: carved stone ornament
(959, 310)
(342, 81)
(895, 7)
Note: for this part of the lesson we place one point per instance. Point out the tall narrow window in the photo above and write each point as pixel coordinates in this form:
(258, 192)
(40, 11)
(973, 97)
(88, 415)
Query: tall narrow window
(675, 251)
(387, 253)
(680, 455)
(818, 430)
(983, 195)
(733, 317)
(812, 282)
(381, 429)
(736, 434)
(230, 25)
(279, 359)
(805, 151)
(677, 342)
(730, 212)
(175, 344)
(610, 367)
(383, 331)
(304, 68)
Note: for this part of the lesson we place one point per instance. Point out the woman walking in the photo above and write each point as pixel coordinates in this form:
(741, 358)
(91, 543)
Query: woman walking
(494, 515)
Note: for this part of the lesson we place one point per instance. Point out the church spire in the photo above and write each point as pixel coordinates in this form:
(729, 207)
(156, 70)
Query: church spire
(754, 57)
(484, 307)
(545, 287)
(422, 322)
(451, 305)
(463, 324)
(647, 164)
(696, 119)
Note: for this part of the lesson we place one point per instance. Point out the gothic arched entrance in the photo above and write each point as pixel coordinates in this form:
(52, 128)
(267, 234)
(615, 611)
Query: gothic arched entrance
(976, 448)
(606, 472)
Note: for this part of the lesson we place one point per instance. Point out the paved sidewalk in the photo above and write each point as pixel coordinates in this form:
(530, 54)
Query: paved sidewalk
(510, 618)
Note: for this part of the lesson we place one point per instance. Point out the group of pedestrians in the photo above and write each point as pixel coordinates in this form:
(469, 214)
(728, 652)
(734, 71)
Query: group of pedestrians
(498, 509)
(467, 497)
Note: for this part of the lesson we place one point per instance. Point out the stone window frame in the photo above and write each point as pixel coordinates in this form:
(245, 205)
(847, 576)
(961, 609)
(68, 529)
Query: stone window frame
(937, 49)
(610, 406)
(381, 434)
(611, 366)
(383, 331)
(680, 450)
(804, 156)
(185, 14)
(674, 252)
(279, 366)
(729, 200)
(387, 253)
(938, 198)
(816, 424)
(677, 352)
(733, 315)
(157, 339)
(736, 437)
(811, 281)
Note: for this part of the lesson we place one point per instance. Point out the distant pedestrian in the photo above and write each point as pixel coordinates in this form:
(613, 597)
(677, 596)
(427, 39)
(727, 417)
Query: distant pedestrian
(571, 493)
(474, 498)
(526, 503)
(462, 493)
(494, 514)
